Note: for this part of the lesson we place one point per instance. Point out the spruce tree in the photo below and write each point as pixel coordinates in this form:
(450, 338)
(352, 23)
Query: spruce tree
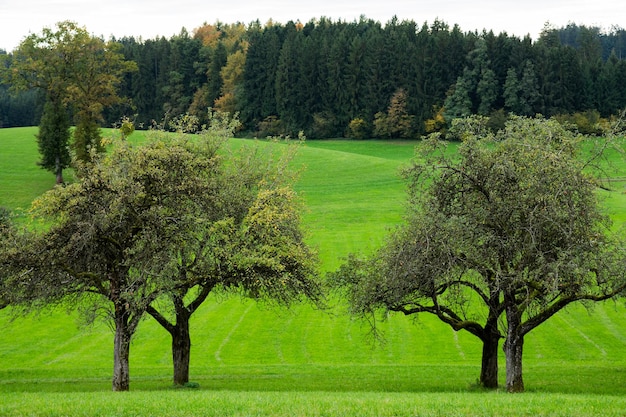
(53, 138)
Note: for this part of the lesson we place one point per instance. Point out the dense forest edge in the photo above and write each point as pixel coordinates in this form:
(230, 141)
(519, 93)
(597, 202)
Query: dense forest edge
(361, 79)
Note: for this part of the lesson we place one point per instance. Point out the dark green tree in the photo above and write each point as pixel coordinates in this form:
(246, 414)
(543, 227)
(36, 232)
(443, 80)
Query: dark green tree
(218, 60)
(259, 83)
(511, 91)
(53, 138)
(487, 91)
(521, 96)
(458, 103)
(529, 91)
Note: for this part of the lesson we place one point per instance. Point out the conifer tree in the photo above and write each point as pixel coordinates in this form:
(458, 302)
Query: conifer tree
(53, 138)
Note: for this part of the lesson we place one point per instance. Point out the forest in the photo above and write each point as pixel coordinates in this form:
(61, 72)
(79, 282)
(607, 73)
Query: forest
(360, 79)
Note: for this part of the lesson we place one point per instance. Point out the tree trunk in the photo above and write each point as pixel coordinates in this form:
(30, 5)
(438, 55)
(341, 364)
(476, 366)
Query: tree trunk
(121, 350)
(181, 339)
(181, 349)
(58, 170)
(489, 365)
(513, 350)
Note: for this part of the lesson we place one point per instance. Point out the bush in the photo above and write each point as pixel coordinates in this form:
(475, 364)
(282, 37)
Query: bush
(324, 126)
(497, 120)
(588, 122)
(271, 126)
(382, 128)
(358, 129)
(438, 121)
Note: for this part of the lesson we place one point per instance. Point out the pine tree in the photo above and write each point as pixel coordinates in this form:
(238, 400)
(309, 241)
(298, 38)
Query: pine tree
(487, 91)
(53, 138)
(530, 99)
(458, 103)
(511, 91)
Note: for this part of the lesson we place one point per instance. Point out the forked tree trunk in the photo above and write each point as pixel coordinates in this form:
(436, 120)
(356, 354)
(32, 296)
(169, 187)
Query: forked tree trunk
(491, 339)
(179, 330)
(181, 339)
(181, 349)
(121, 351)
(489, 364)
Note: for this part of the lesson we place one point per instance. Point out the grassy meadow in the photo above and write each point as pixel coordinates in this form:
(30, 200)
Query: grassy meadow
(248, 360)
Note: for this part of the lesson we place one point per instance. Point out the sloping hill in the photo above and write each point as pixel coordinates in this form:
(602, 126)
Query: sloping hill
(353, 195)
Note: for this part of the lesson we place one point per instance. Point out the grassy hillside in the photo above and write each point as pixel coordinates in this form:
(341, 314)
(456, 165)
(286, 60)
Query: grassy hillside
(306, 358)
(21, 179)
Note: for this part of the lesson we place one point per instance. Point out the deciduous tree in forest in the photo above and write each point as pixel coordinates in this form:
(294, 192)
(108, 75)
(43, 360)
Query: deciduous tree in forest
(78, 69)
(397, 122)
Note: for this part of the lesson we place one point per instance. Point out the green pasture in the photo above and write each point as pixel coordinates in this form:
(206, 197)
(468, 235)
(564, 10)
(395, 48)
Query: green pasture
(250, 360)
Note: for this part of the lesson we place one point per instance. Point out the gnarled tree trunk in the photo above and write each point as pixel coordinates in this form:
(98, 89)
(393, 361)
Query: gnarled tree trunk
(489, 363)
(121, 350)
(181, 349)
(513, 350)
(491, 338)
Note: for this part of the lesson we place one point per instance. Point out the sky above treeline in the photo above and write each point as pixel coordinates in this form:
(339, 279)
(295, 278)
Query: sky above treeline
(154, 18)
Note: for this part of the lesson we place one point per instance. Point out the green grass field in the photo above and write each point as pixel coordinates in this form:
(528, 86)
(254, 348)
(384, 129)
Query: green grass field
(249, 360)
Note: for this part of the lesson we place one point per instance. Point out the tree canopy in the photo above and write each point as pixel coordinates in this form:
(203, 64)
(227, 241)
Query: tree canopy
(320, 76)
(154, 222)
(497, 240)
(74, 68)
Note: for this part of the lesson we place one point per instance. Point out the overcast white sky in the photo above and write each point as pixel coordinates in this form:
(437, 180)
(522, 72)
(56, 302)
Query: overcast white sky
(151, 18)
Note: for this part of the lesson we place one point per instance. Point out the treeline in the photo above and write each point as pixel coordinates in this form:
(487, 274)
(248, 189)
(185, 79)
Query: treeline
(363, 78)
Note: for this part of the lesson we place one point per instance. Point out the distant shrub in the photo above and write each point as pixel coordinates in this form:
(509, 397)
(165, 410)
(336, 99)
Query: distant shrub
(588, 122)
(437, 123)
(324, 126)
(497, 120)
(270, 126)
(382, 127)
(358, 129)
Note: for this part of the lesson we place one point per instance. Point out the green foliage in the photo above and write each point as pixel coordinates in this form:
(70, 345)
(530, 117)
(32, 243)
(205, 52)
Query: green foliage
(271, 126)
(397, 122)
(497, 120)
(53, 139)
(76, 69)
(458, 103)
(382, 127)
(438, 122)
(126, 127)
(87, 140)
(358, 129)
(587, 123)
(512, 226)
(349, 70)
(323, 126)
